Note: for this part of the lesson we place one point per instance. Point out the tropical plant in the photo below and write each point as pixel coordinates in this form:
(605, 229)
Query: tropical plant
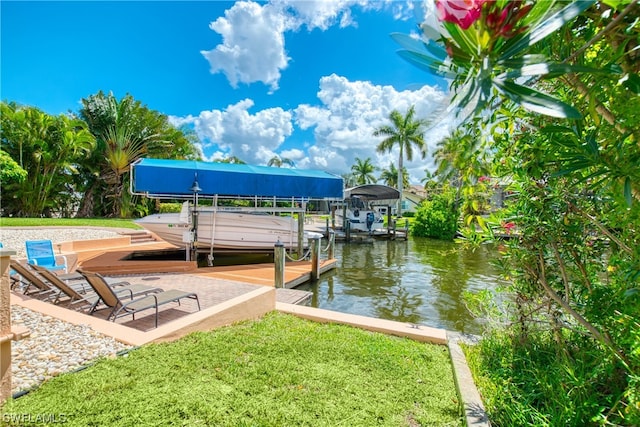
(484, 46)
(390, 175)
(349, 180)
(430, 183)
(574, 269)
(233, 160)
(463, 161)
(461, 157)
(437, 218)
(362, 171)
(279, 162)
(404, 132)
(125, 131)
(49, 149)
(10, 171)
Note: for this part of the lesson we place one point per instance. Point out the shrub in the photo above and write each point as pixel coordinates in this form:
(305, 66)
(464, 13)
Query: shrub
(170, 207)
(437, 218)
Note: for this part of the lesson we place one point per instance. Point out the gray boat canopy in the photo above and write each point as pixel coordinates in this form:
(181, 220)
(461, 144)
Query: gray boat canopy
(373, 192)
(179, 179)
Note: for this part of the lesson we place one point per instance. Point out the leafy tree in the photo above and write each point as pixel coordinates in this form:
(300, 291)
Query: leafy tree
(404, 132)
(10, 170)
(363, 170)
(49, 149)
(278, 162)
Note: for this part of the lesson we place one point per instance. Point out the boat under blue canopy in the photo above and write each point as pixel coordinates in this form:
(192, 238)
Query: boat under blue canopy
(173, 178)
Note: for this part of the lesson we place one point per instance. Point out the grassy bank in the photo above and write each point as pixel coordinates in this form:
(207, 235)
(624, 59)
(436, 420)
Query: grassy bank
(280, 370)
(67, 222)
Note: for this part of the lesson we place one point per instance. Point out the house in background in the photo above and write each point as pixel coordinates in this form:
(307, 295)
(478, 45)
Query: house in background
(412, 197)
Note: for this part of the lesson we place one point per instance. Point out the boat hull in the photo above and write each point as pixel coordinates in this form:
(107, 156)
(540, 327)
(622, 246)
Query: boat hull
(363, 221)
(225, 230)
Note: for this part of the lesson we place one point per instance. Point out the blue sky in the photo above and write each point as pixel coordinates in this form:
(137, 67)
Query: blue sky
(305, 80)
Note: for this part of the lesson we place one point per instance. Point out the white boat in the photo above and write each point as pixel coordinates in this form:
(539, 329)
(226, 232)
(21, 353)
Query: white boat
(229, 230)
(361, 217)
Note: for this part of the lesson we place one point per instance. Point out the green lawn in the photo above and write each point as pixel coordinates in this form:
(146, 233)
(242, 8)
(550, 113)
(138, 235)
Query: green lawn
(67, 222)
(278, 371)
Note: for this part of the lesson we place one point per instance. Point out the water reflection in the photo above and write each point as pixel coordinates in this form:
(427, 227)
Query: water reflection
(418, 281)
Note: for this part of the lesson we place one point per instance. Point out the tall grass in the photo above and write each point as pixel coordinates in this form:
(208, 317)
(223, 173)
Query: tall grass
(539, 383)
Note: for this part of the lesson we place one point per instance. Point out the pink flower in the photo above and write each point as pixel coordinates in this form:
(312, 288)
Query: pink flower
(484, 178)
(460, 12)
(508, 226)
(506, 22)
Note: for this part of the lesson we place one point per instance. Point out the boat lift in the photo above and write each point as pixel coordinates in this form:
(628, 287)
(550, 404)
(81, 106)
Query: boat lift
(257, 186)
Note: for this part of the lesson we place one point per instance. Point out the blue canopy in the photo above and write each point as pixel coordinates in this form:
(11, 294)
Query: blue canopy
(159, 177)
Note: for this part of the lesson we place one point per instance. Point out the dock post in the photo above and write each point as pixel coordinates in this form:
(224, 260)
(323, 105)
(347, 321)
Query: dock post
(278, 259)
(333, 217)
(332, 244)
(300, 235)
(315, 258)
(347, 231)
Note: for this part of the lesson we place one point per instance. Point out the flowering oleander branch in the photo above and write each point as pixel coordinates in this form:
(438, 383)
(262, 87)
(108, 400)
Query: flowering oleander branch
(483, 46)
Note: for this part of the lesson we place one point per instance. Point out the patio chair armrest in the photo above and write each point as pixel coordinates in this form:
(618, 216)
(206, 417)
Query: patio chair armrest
(119, 292)
(66, 265)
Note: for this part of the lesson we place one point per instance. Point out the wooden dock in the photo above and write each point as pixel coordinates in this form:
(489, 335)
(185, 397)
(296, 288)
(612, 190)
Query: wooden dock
(131, 260)
(293, 296)
(363, 237)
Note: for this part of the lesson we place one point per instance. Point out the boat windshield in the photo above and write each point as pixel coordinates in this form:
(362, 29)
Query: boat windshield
(357, 203)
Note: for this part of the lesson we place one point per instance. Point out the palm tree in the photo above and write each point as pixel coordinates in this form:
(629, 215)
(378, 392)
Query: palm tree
(363, 171)
(390, 176)
(349, 180)
(405, 132)
(125, 130)
(430, 182)
(460, 159)
(278, 162)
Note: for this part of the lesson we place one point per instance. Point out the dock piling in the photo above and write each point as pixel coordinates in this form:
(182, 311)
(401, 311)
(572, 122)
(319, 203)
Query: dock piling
(278, 259)
(315, 258)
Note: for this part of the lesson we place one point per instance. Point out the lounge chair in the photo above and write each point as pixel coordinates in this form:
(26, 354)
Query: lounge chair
(93, 300)
(31, 284)
(122, 308)
(77, 281)
(40, 252)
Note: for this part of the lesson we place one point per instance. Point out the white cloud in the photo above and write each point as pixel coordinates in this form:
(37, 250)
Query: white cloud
(351, 111)
(253, 42)
(343, 125)
(235, 131)
(252, 46)
(253, 50)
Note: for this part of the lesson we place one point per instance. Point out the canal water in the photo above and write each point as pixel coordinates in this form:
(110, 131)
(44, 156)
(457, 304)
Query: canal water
(419, 281)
